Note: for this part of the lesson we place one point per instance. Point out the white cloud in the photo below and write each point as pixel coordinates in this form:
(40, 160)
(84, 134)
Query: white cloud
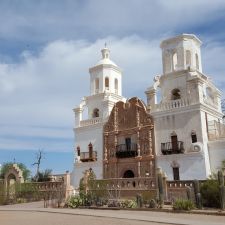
(42, 89)
(38, 93)
(38, 21)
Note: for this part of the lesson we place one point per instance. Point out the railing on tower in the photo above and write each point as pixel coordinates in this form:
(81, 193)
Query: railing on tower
(88, 157)
(173, 104)
(169, 148)
(90, 121)
(126, 151)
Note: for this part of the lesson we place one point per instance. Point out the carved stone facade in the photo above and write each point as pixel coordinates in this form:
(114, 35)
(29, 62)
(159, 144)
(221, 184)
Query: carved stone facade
(129, 141)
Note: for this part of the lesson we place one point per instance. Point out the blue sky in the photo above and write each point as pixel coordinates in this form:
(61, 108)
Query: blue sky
(46, 48)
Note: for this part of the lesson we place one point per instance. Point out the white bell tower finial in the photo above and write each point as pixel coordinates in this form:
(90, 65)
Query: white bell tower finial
(105, 52)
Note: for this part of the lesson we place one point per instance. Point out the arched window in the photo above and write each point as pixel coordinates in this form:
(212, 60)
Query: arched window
(175, 60)
(107, 83)
(116, 85)
(197, 61)
(188, 58)
(193, 137)
(95, 113)
(78, 150)
(90, 149)
(209, 93)
(175, 94)
(176, 173)
(128, 174)
(174, 142)
(96, 85)
(167, 62)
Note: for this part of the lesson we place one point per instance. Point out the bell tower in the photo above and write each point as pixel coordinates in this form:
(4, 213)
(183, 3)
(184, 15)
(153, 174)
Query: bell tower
(180, 53)
(105, 91)
(105, 76)
(189, 103)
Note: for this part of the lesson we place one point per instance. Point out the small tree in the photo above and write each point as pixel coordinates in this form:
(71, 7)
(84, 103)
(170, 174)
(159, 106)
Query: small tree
(39, 156)
(43, 176)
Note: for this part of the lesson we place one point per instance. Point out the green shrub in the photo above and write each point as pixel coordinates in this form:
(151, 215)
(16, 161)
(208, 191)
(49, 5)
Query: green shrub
(147, 195)
(74, 202)
(152, 204)
(21, 200)
(183, 204)
(210, 193)
(128, 203)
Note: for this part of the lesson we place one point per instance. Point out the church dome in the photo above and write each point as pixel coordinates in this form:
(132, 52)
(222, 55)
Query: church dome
(105, 58)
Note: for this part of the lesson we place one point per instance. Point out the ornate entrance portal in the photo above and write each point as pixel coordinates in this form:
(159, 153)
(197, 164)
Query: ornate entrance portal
(128, 174)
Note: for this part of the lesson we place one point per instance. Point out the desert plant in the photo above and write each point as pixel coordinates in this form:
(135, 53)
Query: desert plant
(152, 204)
(183, 204)
(160, 190)
(74, 202)
(198, 196)
(188, 190)
(221, 189)
(210, 193)
(139, 200)
(128, 203)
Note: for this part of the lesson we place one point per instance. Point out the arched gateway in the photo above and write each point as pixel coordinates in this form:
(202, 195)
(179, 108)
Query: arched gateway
(13, 175)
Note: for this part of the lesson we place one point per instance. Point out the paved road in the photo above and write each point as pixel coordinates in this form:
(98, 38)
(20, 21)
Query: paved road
(29, 214)
(40, 218)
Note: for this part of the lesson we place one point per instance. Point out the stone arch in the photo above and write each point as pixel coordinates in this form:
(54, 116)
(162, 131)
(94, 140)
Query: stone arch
(95, 113)
(96, 85)
(197, 61)
(116, 85)
(106, 82)
(13, 175)
(175, 61)
(188, 58)
(167, 62)
(128, 174)
(175, 94)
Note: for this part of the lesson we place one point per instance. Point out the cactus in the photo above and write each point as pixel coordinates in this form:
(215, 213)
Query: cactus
(139, 199)
(198, 197)
(196, 187)
(221, 189)
(188, 193)
(220, 178)
(160, 189)
(199, 200)
(152, 204)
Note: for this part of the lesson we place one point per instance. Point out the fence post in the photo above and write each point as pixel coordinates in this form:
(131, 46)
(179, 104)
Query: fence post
(221, 189)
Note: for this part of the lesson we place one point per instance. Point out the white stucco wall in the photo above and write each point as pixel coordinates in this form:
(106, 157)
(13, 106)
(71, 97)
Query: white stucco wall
(191, 166)
(83, 137)
(216, 153)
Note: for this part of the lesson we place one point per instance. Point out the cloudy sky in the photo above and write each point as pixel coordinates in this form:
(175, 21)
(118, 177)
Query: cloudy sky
(46, 48)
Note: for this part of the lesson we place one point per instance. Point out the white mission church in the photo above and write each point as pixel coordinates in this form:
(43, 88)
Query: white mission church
(189, 133)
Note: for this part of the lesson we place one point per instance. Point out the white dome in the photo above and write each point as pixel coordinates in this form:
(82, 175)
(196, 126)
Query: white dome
(105, 58)
(106, 61)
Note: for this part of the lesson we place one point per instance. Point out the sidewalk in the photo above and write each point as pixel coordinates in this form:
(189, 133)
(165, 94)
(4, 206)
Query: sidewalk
(167, 209)
(135, 215)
